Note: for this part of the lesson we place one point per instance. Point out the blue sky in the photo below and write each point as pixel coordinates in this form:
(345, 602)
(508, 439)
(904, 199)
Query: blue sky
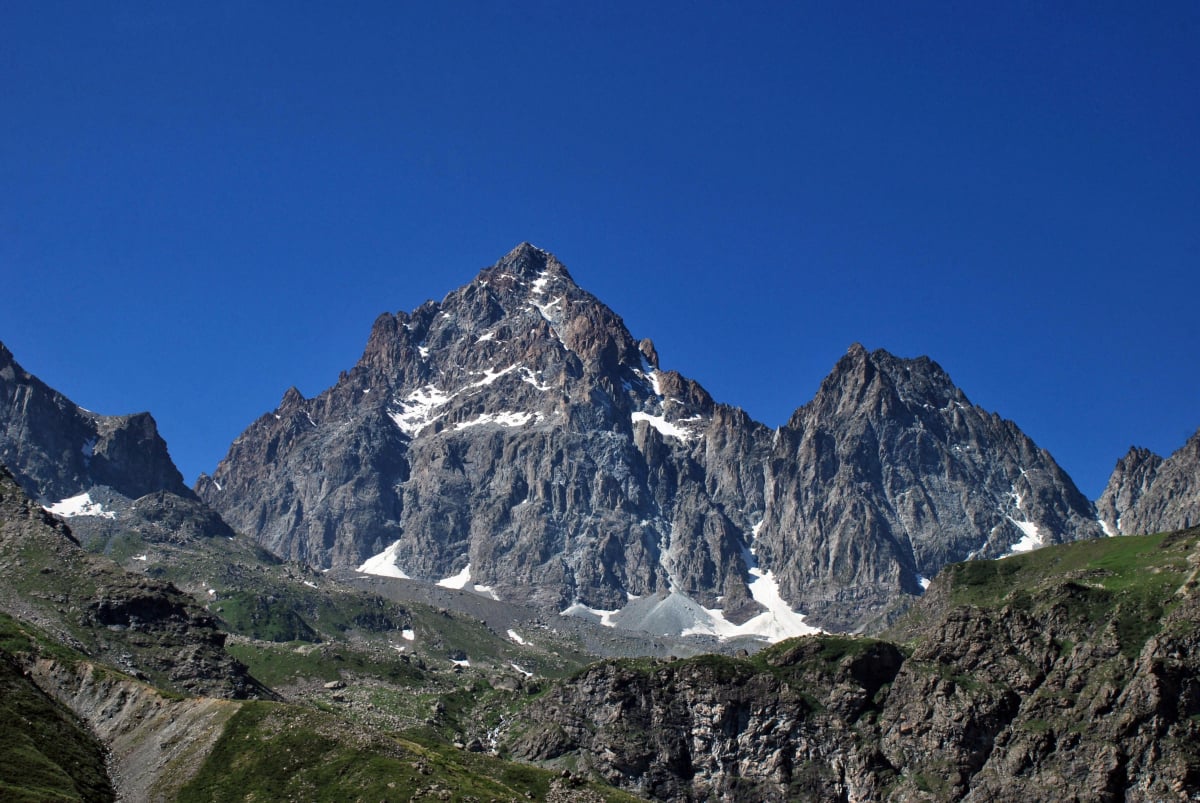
(205, 203)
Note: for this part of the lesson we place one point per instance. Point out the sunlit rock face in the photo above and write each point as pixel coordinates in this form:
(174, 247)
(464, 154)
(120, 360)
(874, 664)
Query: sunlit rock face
(516, 431)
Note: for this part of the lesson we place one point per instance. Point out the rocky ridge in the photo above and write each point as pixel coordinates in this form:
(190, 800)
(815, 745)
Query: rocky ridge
(516, 437)
(889, 474)
(1067, 675)
(1147, 493)
(111, 476)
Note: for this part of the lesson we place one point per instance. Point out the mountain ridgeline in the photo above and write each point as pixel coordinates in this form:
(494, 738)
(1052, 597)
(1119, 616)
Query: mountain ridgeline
(517, 437)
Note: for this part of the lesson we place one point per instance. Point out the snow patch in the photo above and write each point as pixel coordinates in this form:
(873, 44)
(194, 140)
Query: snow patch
(419, 409)
(515, 636)
(524, 672)
(1031, 540)
(142, 558)
(1109, 530)
(490, 376)
(778, 622)
(486, 337)
(539, 284)
(924, 582)
(310, 584)
(383, 564)
(508, 419)
(88, 448)
(458, 581)
(80, 505)
(664, 426)
(464, 663)
(593, 614)
(408, 634)
(530, 377)
(462, 582)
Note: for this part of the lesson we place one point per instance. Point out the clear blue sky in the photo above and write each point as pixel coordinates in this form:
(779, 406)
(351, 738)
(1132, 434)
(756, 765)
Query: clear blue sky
(204, 203)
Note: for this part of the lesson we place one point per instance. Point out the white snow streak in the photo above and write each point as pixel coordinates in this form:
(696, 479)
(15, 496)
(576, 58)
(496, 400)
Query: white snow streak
(508, 419)
(419, 409)
(458, 581)
(664, 426)
(581, 610)
(408, 634)
(462, 582)
(515, 636)
(80, 505)
(383, 564)
(1029, 542)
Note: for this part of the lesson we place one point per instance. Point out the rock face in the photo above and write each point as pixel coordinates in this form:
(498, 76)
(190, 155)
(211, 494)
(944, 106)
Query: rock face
(1014, 686)
(518, 429)
(108, 474)
(889, 474)
(1147, 494)
(56, 449)
(517, 437)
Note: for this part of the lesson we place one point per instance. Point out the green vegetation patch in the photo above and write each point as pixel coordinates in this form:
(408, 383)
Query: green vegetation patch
(1128, 581)
(271, 751)
(279, 664)
(45, 754)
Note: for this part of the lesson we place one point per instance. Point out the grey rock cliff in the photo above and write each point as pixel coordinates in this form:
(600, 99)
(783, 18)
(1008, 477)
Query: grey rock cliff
(57, 450)
(1149, 494)
(891, 473)
(517, 428)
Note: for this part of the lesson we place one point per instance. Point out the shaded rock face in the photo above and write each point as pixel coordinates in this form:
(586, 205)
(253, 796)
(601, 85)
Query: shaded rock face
(144, 626)
(718, 728)
(58, 450)
(517, 427)
(1038, 698)
(1149, 494)
(889, 474)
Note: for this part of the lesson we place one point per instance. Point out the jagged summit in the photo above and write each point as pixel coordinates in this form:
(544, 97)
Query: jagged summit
(57, 449)
(110, 475)
(517, 435)
(894, 382)
(529, 263)
(1147, 493)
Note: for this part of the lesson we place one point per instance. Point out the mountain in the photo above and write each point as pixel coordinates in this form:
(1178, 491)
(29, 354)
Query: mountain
(1069, 674)
(1149, 494)
(111, 475)
(516, 438)
(56, 448)
(889, 474)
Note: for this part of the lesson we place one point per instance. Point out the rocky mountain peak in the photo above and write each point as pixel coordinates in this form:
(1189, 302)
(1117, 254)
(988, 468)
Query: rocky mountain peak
(517, 434)
(891, 460)
(57, 449)
(879, 381)
(527, 262)
(1147, 493)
